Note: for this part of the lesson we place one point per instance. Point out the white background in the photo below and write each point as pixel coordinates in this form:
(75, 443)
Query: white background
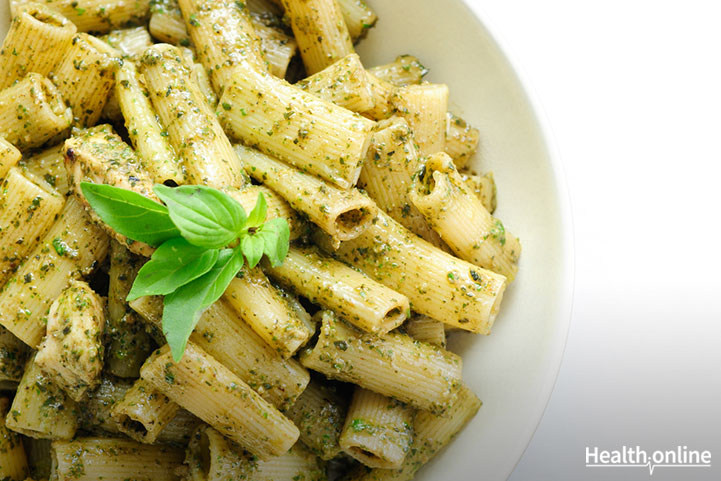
(632, 92)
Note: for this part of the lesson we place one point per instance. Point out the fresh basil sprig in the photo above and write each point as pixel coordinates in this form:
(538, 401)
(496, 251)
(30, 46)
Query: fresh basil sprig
(203, 237)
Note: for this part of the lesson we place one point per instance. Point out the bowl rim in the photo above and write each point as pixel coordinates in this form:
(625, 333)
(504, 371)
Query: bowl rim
(567, 279)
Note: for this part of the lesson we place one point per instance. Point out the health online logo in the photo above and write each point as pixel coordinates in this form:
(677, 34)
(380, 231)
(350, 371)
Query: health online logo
(635, 457)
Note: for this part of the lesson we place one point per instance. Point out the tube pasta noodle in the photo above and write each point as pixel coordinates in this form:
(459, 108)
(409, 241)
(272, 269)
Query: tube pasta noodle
(404, 70)
(382, 95)
(38, 454)
(320, 31)
(9, 156)
(342, 214)
(437, 284)
(32, 112)
(100, 156)
(297, 307)
(72, 247)
(129, 42)
(143, 412)
(424, 107)
(114, 459)
(319, 414)
(425, 329)
(85, 77)
(13, 463)
(212, 392)
(167, 25)
(234, 343)
(345, 83)
(484, 187)
(461, 140)
(460, 218)
(191, 125)
(145, 131)
(377, 430)
(359, 299)
(36, 42)
(47, 169)
(278, 47)
(99, 16)
(224, 35)
(425, 376)
(40, 408)
(180, 429)
(97, 406)
(26, 212)
(129, 344)
(13, 354)
(358, 17)
(212, 457)
(268, 314)
(431, 434)
(294, 126)
(72, 351)
(387, 176)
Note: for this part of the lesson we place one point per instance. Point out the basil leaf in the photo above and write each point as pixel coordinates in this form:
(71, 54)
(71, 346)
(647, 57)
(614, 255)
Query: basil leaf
(276, 238)
(181, 312)
(130, 214)
(182, 308)
(175, 263)
(252, 246)
(227, 266)
(206, 217)
(257, 215)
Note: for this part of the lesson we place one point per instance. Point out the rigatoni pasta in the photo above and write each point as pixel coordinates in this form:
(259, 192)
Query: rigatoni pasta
(345, 83)
(437, 284)
(431, 434)
(143, 412)
(224, 37)
(37, 40)
(13, 355)
(40, 409)
(9, 156)
(360, 300)
(32, 111)
(193, 129)
(209, 390)
(378, 430)
(13, 463)
(262, 306)
(26, 212)
(459, 217)
(72, 247)
(319, 414)
(424, 107)
(320, 31)
(404, 70)
(342, 214)
(86, 93)
(129, 42)
(114, 459)
(230, 340)
(294, 126)
(425, 376)
(99, 16)
(146, 133)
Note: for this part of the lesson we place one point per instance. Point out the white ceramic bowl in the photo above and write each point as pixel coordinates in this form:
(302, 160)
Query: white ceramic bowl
(514, 369)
